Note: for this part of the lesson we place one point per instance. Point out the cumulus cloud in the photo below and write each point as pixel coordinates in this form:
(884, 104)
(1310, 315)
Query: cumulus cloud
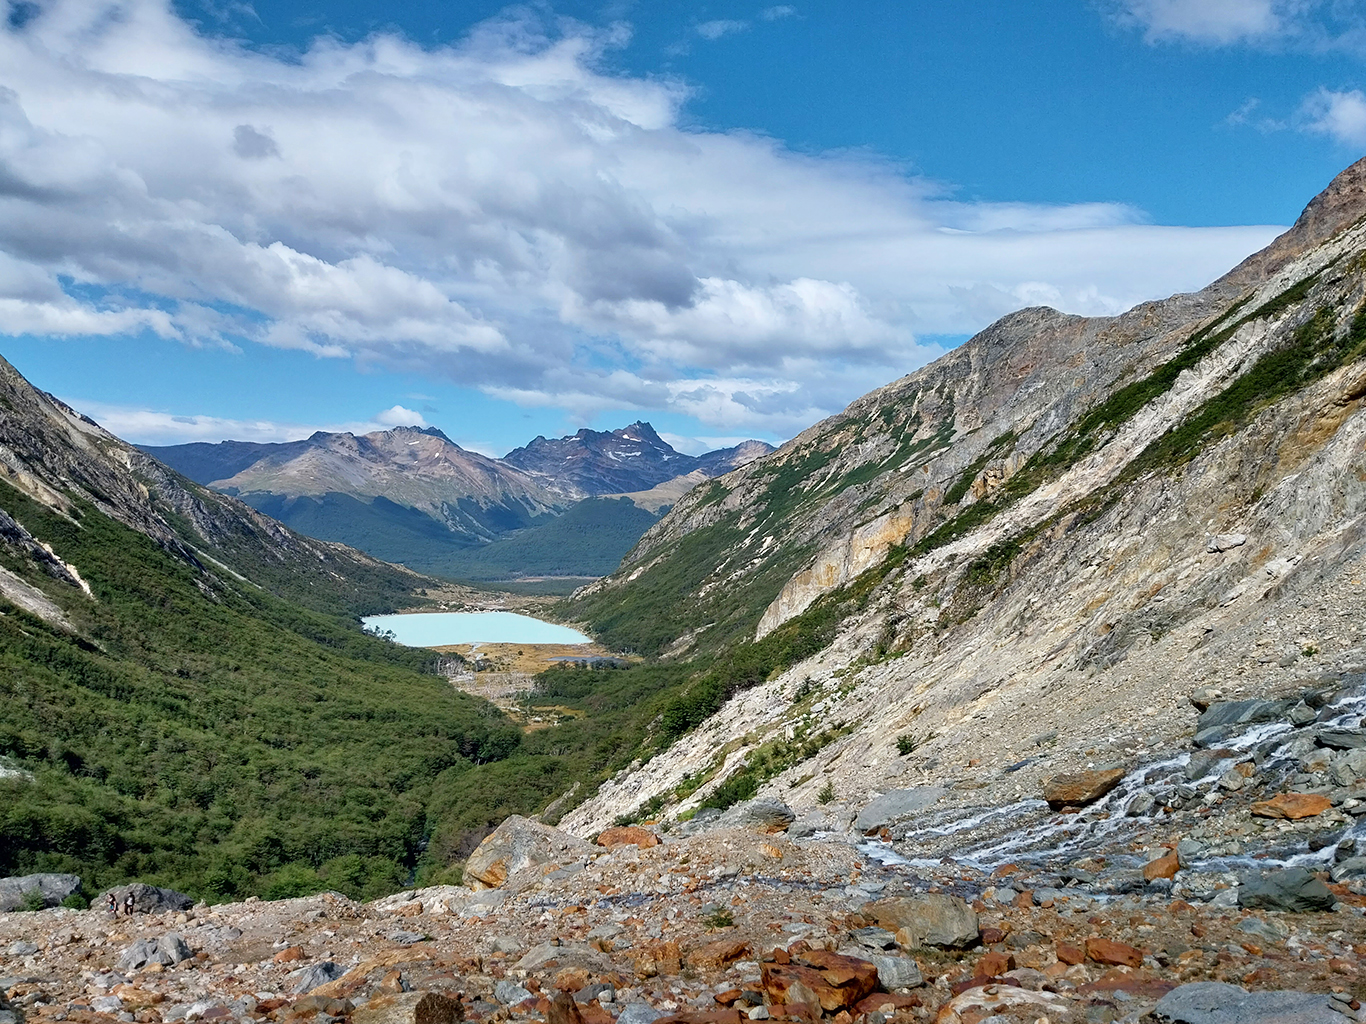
(507, 213)
(1339, 115)
(1206, 21)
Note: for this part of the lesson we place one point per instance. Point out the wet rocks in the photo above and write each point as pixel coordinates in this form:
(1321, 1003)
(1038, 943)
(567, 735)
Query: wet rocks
(1077, 789)
(931, 919)
(1215, 1002)
(1342, 739)
(1292, 806)
(15, 892)
(409, 1008)
(520, 843)
(1297, 890)
(897, 803)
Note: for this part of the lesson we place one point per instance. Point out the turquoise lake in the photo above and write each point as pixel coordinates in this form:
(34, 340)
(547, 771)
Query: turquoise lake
(435, 629)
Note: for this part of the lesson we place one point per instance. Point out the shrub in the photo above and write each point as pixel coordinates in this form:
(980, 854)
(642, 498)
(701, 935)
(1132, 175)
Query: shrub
(827, 793)
(905, 743)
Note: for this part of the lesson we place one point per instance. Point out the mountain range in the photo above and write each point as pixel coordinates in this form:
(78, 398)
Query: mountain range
(413, 496)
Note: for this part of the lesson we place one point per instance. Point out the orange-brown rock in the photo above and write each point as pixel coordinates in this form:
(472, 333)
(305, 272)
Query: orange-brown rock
(886, 1002)
(1163, 867)
(702, 1017)
(563, 1010)
(995, 964)
(1117, 954)
(716, 956)
(628, 835)
(1077, 789)
(1069, 954)
(829, 980)
(1136, 983)
(413, 909)
(728, 997)
(1292, 806)
(289, 955)
(571, 979)
(593, 1013)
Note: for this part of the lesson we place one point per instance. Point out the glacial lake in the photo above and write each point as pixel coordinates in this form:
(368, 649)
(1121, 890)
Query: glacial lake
(437, 629)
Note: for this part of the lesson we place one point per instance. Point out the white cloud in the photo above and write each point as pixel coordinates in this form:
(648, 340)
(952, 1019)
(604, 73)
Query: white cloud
(153, 426)
(1339, 115)
(778, 12)
(1206, 21)
(505, 213)
(720, 27)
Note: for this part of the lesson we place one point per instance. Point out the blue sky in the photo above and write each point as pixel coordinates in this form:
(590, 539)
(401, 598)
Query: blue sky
(231, 220)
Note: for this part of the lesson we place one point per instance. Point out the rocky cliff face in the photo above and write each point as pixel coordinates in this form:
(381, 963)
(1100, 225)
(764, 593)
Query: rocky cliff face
(1021, 540)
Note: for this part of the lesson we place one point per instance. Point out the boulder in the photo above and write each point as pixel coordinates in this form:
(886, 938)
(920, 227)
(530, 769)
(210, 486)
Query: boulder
(718, 955)
(896, 971)
(1214, 1002)
(520, 843)
(1342, 739)
(1297, 890)
(306, 979)
(509, 993)
(409, 1008)
(639, 1013)
(628, 835)
(898, 803)
(1351, 868)
(1163, 867)
(15, 892)
(928, 919)
(1115, 954)
(832, 981)
(168, 951)
(148, 899)
(759, 815)
(1077, 789)
(1243, 712)
(1292, 806)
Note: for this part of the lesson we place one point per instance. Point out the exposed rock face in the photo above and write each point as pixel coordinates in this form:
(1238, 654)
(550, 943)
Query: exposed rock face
(1292, 806)
(1216, 1002)
(516, 844)
(897, 804)
(627, 835)
(148, 899)
(1077, 789)
(17, 891)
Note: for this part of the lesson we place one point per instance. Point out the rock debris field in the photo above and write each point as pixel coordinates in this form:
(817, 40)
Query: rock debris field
(1222, 884)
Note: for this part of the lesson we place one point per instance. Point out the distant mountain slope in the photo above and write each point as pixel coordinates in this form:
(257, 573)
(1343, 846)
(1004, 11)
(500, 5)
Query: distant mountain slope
(187, 695)
(414, 497)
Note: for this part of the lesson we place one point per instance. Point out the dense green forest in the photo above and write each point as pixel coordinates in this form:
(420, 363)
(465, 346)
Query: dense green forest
(201, 733)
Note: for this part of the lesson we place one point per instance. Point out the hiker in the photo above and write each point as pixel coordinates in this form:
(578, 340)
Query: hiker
(128, 905)
(111, 905)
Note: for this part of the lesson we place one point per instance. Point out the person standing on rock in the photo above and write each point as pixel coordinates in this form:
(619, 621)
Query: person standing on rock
(111, 905)
(128, 905)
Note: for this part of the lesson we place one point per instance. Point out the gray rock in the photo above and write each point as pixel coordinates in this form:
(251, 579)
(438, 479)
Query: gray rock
(929, 919)
(106, 1004)
(1203, 762)
(148, 899)
(808, 826)
(1263, 929)
(1244, 712)
(601, 991)
(895, 972)
(638, 1013)
(898, 803)
(1213, 1002)
(1342, 739)
(173, 949)
(1301, 714)
(1231, 781)
(1188, 851)
(15, 891)
(1221, 542)
(520, 843)
(1141, 805)
(404, 938)
(874, 938)
(610, 930)
(759, 815)
(306, 979)
(138, 954)
(509, 993)
(8, 1017)
(1352, 867)
(22, 948)
(1296, 890)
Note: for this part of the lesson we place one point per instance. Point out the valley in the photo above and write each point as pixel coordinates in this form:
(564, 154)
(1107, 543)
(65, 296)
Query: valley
(1031, 685)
